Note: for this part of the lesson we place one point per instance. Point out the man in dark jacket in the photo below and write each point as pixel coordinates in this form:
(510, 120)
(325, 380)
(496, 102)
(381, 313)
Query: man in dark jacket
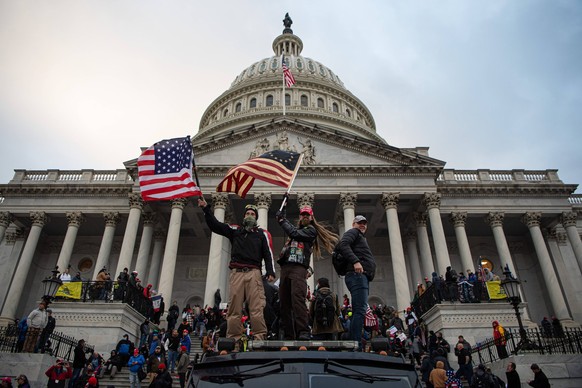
(250, 247)
(173, 314)
(361, 270)
(79, 362)
(513, 380)
(47, 331)
(163, 378)
(540, 380)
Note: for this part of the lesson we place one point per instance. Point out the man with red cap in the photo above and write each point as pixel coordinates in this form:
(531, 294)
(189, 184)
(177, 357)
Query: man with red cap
(163, 378)
(186, 341)
(135, 363)
(303, 240)
(182, 366)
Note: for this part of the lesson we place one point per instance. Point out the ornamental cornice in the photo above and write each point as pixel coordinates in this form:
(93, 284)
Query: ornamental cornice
(488, 189)
(494, 219)
(348, 200)
(431, 200)
(568, 219)
(390, 200)
(263, 200)
(458, 219)
(532, 219)
(135, 201)
(70, 191)
(75, 218)
(305, 199)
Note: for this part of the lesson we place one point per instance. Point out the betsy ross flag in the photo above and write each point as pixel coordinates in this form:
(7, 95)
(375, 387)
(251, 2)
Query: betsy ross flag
(289, 79)
(276, 167)
(165, 170)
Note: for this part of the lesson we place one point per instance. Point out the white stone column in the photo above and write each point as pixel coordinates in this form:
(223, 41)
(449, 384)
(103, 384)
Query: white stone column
(424, 245)
(459, 220)
(171, 251)
(568, 221)
(74, 219)
(215, 269)
(39, 219)
(432, 201)
(348, 204)
(263, 202)
(402, 288)
(128, 244)
(154, 272)
(532, 221)
(5, 221)
(143, 255)
(15, 239)
(495, 220)
(111, 220)
(307, 199)
(415, 273)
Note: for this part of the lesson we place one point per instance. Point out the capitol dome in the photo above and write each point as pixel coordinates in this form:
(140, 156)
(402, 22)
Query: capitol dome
(319, 96)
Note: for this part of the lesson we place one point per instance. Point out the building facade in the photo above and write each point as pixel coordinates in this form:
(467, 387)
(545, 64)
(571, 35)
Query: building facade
(422, 216)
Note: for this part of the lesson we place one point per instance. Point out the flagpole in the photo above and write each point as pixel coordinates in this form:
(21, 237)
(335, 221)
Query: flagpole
(292, 181)
(282, 60)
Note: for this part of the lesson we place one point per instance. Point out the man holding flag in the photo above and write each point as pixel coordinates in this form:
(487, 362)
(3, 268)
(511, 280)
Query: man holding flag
(250, 247)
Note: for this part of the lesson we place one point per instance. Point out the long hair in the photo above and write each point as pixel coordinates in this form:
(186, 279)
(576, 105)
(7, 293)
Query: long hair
(325, 238)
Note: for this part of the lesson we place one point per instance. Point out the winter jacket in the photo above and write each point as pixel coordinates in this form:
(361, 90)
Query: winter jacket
(297, 249)
(354, 247)
(183, 362)
(37, 319)
(58, 376)
(249, 248)
(139, 361)
(317, 328)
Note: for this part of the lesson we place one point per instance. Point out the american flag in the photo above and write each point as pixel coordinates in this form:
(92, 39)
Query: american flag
(276, 167)
(289, 79)
(165, 170)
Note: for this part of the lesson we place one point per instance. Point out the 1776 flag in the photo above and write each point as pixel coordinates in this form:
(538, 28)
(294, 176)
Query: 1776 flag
(276, 167)
(165, 170)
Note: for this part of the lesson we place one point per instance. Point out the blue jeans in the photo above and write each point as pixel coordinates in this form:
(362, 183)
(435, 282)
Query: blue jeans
(359, 288)
(133, 380)
(172, 356)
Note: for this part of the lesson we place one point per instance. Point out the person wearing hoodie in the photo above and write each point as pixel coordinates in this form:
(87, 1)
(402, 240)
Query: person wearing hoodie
(163, 379)
(438, 376)
(135, 364)
(499, 339)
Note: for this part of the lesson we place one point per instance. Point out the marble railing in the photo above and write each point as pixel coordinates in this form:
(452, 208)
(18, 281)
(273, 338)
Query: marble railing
(462, 176)
(575, 199)
(66, 176)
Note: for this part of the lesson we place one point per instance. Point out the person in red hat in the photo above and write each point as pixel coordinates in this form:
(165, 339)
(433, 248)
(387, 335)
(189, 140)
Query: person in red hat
(92, 382)
(182, 366)
(163, 379)
(304, 239)
(186, 341)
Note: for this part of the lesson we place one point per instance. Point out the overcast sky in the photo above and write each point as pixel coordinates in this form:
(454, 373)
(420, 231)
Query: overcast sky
(484, 84)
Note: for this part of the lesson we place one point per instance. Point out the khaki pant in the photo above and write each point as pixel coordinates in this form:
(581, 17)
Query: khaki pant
(246, 286)
(32, 335)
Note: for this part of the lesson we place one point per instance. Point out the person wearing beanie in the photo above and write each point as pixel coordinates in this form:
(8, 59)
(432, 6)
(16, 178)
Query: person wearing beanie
(250, 248)
(182, 366)
(295, 258)
(438, 376)
(163, 379)
(92, 382)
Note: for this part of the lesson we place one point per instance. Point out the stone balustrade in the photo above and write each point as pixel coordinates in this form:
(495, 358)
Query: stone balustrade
(488, 176)
(66, 176)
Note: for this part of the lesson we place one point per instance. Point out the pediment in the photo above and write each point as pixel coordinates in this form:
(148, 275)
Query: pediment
(322, 147)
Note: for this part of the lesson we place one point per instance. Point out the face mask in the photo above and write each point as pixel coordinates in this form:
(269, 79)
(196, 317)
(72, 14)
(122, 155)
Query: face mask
(249, 222)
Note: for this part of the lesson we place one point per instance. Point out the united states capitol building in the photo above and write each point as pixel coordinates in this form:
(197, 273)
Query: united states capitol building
(422, 216)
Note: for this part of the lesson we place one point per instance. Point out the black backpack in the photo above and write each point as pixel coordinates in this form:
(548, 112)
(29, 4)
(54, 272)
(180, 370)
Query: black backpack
(324, 309)
(338, 261)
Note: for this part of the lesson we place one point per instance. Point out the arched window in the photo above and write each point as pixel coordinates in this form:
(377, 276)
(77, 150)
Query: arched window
(320, 103)
(335, 108)
(253, 103)
(348, 113)
(304, 100)
(225, 113)
(287, 99)
(269, 100)
(238, 107)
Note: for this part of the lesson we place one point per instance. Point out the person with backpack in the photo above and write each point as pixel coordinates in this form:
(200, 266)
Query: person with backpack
(324, 312)
(360, 268)
(303, 240)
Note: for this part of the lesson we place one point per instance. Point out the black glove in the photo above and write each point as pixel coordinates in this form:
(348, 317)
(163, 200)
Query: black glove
(280, 215)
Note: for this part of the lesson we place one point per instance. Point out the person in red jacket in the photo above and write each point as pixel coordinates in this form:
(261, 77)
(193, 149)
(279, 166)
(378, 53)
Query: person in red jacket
(58, 373)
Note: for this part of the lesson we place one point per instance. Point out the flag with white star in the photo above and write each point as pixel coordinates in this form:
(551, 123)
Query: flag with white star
(165, 170)
(276, 167)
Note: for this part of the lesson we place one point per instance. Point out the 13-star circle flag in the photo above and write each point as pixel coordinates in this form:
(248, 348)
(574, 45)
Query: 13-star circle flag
(276, 167)
(165, 170)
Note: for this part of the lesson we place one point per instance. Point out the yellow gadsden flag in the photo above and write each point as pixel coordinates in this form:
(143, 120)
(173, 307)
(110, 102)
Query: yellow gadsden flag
(71, 290)
(495, 290)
